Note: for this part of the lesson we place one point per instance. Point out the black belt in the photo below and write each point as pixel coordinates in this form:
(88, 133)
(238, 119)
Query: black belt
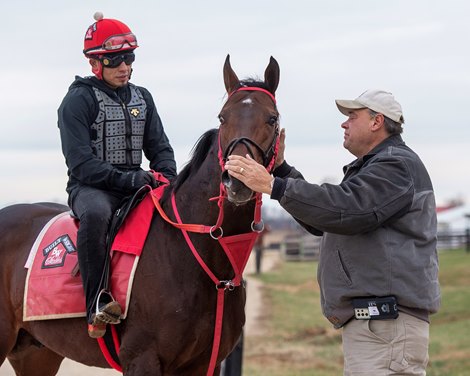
(375, 308)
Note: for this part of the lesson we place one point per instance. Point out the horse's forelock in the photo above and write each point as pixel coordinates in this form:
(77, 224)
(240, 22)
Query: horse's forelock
(253, 82)
(198, 155)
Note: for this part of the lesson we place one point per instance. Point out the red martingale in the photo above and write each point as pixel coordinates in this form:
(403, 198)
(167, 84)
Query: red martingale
(237, 249)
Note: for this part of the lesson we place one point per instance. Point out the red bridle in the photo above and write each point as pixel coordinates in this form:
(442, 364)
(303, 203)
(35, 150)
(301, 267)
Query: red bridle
(275, 144)
(248, 88)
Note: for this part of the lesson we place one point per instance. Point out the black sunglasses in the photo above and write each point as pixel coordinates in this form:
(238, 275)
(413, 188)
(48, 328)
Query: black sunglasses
(115, 60)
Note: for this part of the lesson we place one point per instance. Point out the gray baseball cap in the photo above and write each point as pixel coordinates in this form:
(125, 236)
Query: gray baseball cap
(379, 101)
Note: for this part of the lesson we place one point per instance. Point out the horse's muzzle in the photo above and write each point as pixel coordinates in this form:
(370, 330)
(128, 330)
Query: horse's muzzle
(237, 192)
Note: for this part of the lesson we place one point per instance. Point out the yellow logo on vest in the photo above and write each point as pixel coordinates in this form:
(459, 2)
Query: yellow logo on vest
(135, 112)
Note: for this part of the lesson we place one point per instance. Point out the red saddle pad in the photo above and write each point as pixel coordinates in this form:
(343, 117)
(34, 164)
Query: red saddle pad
(52, 292)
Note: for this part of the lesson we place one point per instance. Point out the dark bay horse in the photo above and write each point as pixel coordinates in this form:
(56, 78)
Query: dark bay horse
(169, 329)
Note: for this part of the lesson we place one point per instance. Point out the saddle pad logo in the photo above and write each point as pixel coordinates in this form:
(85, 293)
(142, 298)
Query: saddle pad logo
(54, 253)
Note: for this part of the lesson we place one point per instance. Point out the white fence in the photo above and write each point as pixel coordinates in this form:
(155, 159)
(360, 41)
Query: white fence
(300, 247)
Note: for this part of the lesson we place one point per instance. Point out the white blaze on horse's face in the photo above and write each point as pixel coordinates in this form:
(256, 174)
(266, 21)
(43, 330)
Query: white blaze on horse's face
(247, 101)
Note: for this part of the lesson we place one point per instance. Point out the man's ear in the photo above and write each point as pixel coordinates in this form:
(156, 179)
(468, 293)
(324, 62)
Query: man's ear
(94, 63)
(96, 68)
(379, 122)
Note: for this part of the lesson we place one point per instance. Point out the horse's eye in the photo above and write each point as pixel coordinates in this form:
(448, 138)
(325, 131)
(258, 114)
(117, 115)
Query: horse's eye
(273, 120)
(221, 119)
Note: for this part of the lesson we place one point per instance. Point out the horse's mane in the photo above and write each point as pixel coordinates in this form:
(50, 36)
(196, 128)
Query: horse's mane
(198, 155)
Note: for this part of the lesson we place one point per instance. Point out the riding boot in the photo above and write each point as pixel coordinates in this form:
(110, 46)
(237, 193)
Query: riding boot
(91, 264)
(94, 209)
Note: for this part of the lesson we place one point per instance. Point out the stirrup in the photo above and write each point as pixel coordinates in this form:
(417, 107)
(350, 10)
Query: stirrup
(109, 313)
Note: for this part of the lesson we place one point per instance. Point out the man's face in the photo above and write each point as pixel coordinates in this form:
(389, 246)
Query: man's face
(358, 135)
(117, 77)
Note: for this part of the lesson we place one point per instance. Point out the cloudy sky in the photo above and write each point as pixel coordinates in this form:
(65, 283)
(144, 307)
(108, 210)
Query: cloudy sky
(417, 49)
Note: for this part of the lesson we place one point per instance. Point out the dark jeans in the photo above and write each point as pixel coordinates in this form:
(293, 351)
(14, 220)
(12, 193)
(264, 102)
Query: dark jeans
(94, 208)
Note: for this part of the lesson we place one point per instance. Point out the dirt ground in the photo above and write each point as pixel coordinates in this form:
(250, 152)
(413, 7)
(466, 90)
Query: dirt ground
(253, 310)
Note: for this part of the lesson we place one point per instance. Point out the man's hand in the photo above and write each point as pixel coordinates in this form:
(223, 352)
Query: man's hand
(249, 172)
(140, 178)
(282, 147)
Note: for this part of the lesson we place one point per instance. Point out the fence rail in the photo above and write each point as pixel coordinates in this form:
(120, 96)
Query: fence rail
(301, 247)
(454, 240)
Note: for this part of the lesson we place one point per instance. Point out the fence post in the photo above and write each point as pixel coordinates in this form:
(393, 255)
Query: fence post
(232, 366)
(258, 257)
(467, 237)
(467, 233)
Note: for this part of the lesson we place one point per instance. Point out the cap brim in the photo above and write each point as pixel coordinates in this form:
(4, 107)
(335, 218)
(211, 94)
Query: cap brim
(345, 106)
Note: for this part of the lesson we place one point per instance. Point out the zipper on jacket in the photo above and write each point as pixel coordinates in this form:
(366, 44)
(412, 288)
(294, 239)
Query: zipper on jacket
(128, 134)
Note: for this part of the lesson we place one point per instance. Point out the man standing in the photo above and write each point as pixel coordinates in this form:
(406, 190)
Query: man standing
(105, 124)
(378, 269)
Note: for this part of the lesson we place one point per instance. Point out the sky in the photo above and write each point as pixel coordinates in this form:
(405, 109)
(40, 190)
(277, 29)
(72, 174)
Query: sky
(417, 49)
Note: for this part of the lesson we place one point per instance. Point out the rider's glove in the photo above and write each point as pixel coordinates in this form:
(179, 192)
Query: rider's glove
(138, 179)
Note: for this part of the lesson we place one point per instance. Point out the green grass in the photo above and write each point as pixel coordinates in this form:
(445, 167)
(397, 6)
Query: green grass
(450, 328)
(299, 341)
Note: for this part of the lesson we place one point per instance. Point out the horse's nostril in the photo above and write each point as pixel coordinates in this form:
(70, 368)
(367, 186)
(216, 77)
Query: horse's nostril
(226, 179)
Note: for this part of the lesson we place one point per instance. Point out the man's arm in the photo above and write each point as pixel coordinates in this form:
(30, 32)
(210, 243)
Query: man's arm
(157, 146)
(75, 115)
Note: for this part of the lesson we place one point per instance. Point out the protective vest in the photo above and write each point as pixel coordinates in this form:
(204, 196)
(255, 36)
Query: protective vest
(118, 131)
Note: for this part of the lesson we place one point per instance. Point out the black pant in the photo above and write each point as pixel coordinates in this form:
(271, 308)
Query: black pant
(94, 208)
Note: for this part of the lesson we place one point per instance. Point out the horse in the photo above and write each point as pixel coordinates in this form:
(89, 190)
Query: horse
(169, 329)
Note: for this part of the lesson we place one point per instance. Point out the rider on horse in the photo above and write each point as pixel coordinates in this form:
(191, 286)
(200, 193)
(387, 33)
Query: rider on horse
(105, 124)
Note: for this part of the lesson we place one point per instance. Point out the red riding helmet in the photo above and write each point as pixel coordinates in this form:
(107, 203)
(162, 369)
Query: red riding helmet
(107, 36)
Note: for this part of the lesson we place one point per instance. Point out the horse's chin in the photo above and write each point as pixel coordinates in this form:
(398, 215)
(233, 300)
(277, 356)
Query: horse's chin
(236, 199)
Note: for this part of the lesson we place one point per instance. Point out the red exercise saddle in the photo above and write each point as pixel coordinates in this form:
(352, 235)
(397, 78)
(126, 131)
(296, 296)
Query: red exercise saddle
(54, 291)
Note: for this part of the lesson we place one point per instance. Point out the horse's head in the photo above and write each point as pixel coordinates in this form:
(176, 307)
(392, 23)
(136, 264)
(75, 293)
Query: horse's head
(249, 124)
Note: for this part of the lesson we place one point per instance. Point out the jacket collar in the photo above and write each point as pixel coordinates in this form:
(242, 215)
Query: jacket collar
(393, 140)
(123, 92)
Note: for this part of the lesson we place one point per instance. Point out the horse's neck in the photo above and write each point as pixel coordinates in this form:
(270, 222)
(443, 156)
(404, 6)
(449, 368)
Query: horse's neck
(194, 205)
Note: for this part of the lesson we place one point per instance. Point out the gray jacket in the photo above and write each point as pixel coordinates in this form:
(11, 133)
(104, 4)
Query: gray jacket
(379, 230)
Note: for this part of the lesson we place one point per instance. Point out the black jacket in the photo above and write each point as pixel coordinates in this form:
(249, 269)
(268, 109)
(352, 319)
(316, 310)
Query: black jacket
(78, 112)
(379, 230)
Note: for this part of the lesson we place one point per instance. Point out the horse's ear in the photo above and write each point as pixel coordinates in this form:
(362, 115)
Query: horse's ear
(271, 75)
(230, 78)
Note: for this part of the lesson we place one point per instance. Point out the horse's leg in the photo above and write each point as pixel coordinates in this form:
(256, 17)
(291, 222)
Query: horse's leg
(30, 358)
(7, 342)
(144, 363)
(147, 364)
(8, 330)
(35, 361)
